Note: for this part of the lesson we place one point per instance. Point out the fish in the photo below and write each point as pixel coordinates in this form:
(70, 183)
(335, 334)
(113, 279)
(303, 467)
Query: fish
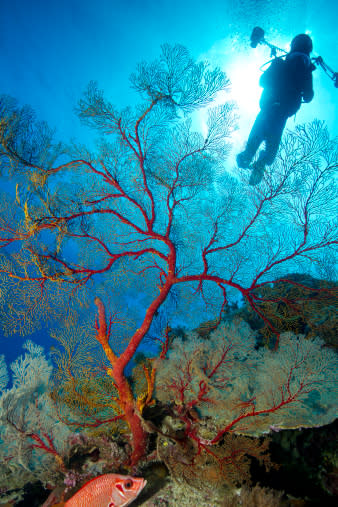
(108, 490)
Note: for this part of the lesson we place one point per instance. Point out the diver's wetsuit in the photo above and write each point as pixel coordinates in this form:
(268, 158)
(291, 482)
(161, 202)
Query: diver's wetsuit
(285, 84)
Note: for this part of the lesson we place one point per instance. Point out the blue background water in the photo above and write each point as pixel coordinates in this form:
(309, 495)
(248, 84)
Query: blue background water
(51, 50)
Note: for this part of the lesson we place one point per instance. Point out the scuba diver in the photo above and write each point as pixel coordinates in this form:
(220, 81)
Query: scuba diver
(286, 84)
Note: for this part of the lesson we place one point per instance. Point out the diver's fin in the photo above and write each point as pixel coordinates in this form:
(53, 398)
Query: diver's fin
(256, 175)
(243, 161)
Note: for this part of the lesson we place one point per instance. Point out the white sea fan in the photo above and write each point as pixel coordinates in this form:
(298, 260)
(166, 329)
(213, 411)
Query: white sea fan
(31, 370)
(299, 365)
(295, 386)
(190, 362)
(25, 409)
(33, 348)
(3, 373)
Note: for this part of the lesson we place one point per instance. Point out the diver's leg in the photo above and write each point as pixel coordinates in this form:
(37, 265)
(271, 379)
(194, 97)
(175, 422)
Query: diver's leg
(273, 137)
(255, 139)
(257, 173)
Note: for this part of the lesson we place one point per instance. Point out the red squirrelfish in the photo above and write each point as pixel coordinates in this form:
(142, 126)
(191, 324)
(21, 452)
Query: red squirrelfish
(109, 490)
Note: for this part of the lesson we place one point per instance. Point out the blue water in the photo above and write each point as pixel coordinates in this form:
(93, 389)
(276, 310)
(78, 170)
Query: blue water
(51, 50)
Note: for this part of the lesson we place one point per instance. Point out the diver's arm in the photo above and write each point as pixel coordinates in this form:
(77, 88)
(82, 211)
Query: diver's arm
(304, 73)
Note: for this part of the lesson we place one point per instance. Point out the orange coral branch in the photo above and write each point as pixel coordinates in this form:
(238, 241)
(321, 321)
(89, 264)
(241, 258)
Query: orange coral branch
(146, 398)
(103, 333)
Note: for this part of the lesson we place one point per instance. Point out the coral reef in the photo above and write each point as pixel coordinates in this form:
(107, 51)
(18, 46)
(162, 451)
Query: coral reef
(142, 228)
